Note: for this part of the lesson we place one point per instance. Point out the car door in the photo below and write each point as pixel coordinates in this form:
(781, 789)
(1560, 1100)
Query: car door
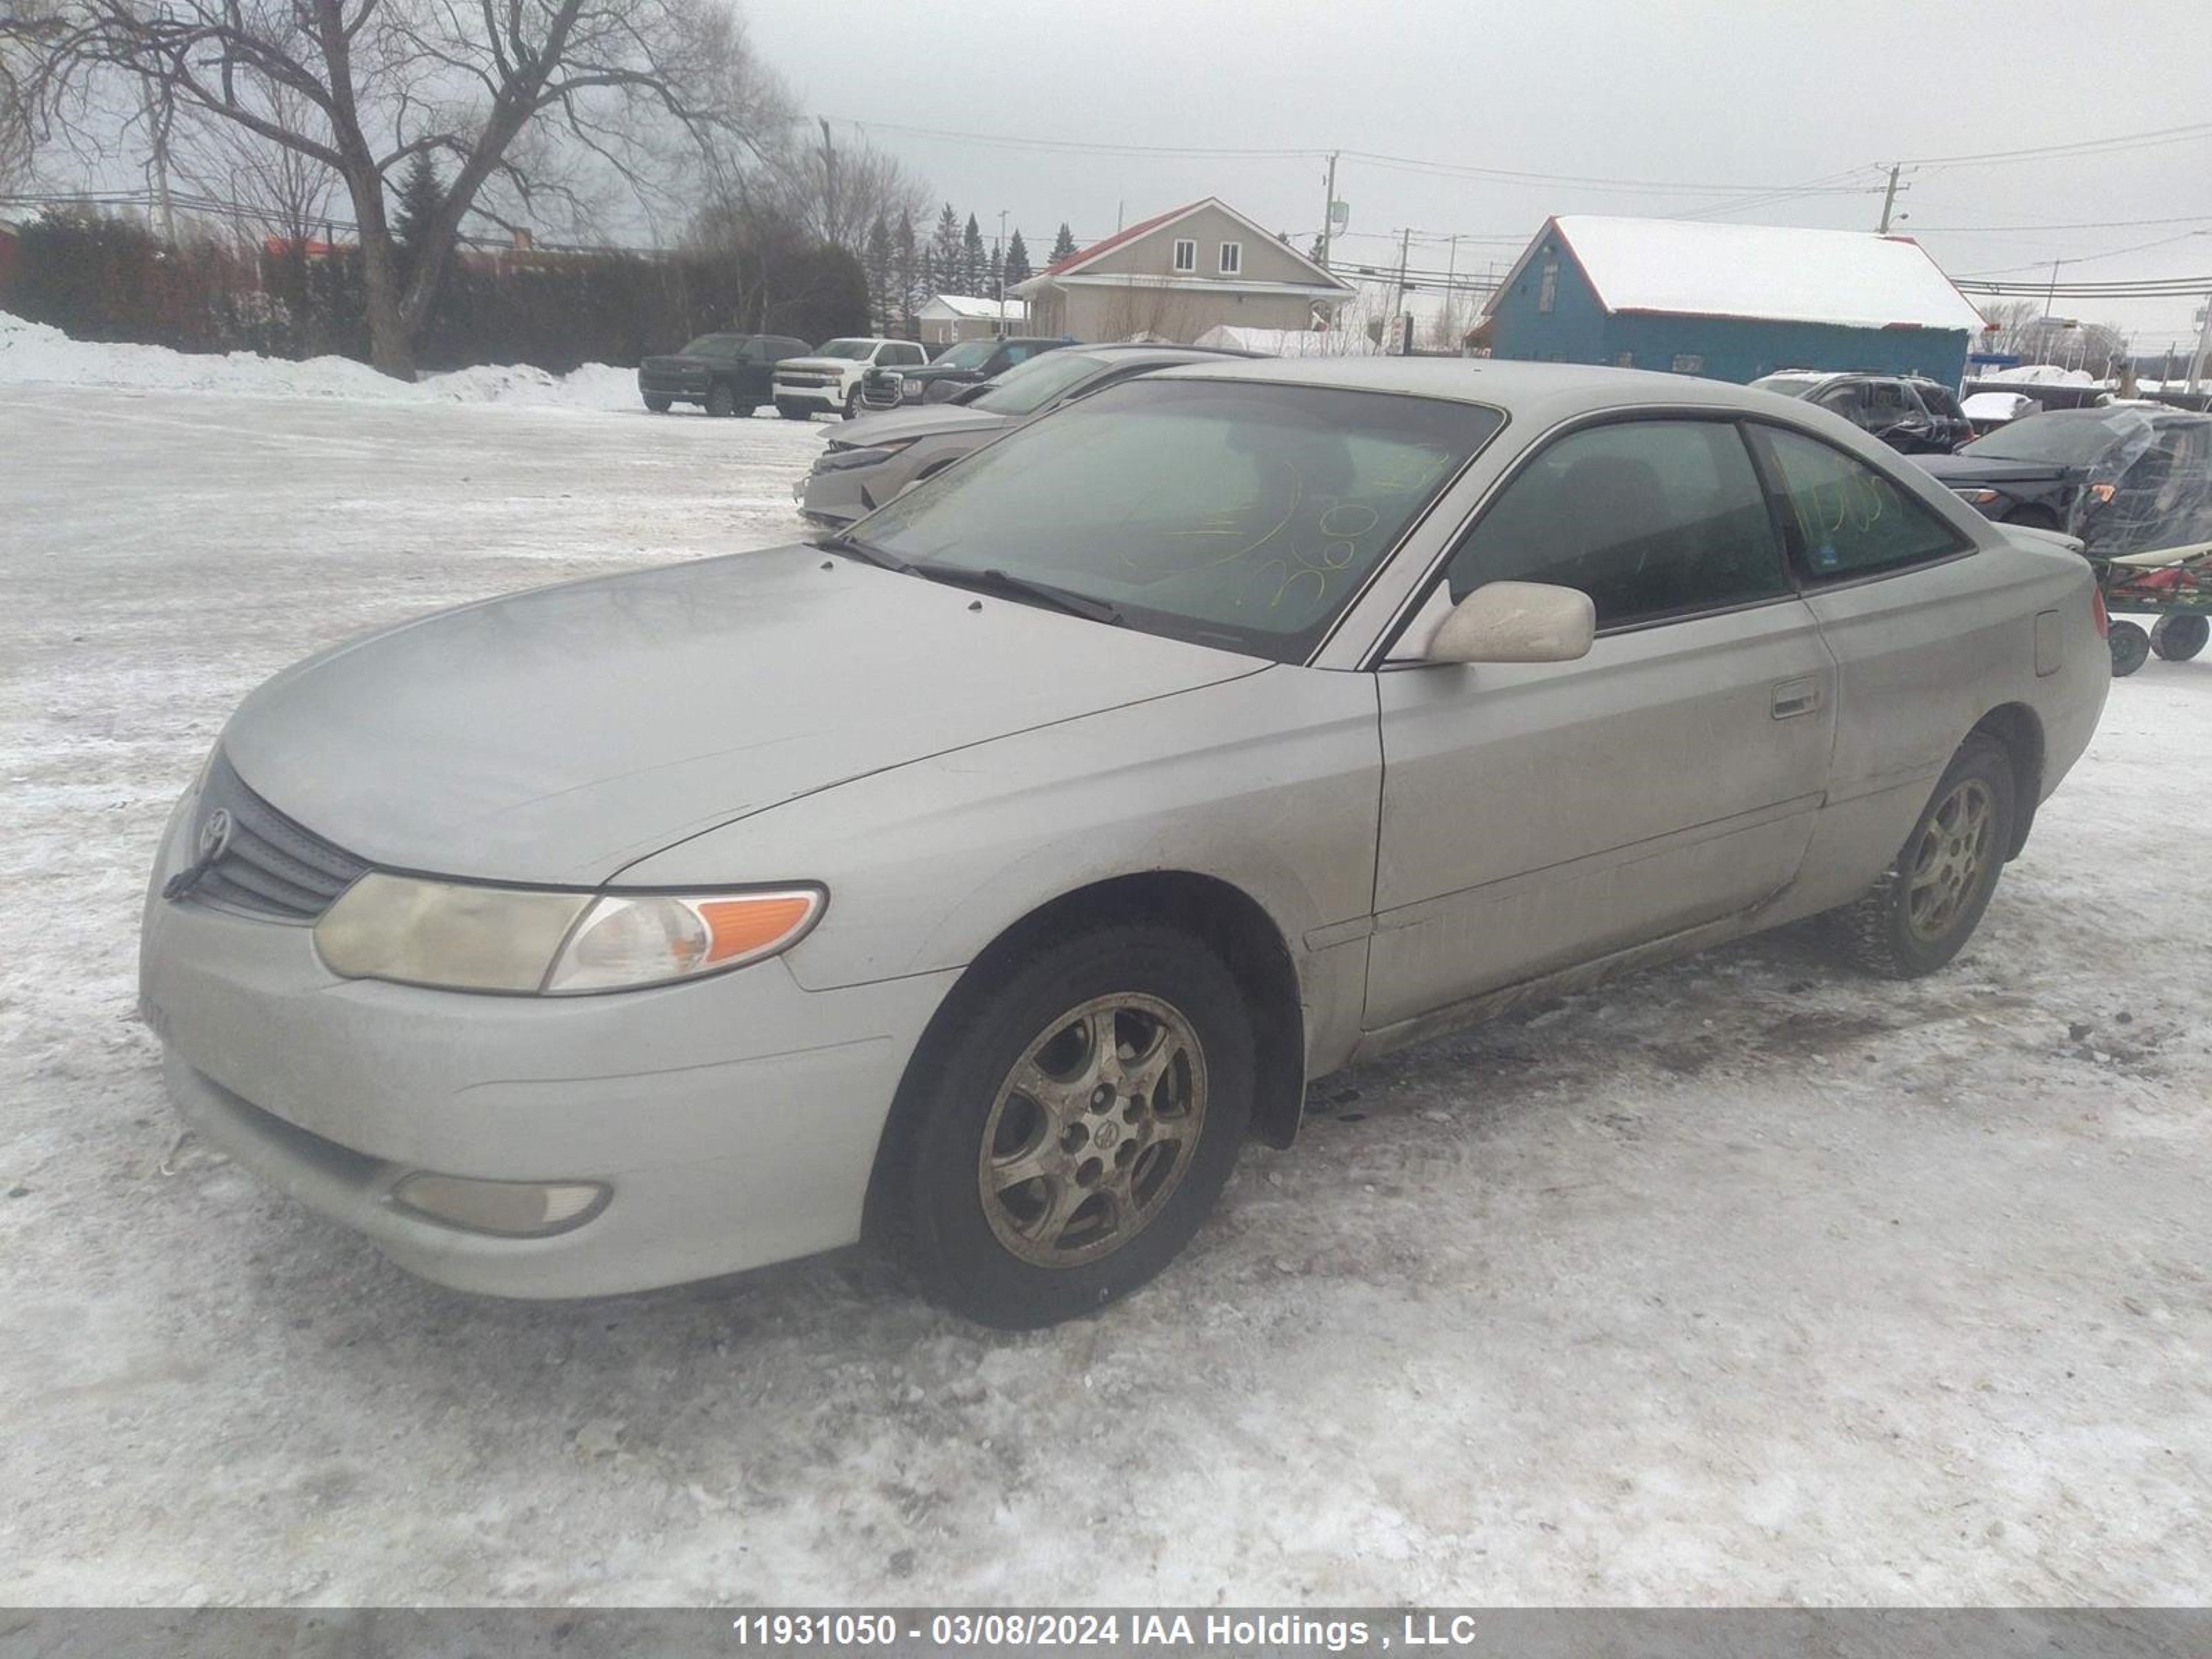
(1917, 627)
(1539, 815)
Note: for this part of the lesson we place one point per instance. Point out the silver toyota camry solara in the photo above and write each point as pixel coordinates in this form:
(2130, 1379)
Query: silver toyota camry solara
(978, 883)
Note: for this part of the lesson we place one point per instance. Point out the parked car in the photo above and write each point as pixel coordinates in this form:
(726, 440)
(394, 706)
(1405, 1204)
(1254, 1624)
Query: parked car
(726, 374)
(2124, 478)
(1913, 414)
(978, 881)
(829, 381)
(872, 460)
(952, 371)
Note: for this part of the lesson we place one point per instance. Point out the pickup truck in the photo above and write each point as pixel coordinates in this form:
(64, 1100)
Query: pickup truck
(725, 374)
(969, 363)
(829, 382)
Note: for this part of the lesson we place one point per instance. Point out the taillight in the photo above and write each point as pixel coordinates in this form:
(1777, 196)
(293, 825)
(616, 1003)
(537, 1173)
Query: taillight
(2097, 610)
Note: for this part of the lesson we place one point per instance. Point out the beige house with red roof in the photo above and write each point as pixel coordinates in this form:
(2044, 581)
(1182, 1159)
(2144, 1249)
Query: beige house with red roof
(1176, 275)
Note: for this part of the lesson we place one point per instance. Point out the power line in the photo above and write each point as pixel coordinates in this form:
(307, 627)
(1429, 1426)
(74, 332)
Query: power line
(2114, 143)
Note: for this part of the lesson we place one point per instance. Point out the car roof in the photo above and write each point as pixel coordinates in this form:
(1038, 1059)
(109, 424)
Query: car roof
(1147, 351)
(1492, 380)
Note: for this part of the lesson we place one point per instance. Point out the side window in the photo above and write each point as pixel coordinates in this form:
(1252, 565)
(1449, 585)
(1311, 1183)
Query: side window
(1851, 518)
(759, 351)
(1848, 401)
(1649, 518)
(911, 354)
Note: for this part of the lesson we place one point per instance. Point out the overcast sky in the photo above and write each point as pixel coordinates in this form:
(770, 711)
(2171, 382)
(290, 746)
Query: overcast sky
(1690, 96)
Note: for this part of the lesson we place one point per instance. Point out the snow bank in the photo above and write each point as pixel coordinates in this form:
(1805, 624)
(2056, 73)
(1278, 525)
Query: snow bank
(34, 352)
(2038, 374)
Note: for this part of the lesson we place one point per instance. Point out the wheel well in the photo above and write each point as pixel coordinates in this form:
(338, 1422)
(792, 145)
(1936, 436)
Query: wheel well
(2036, 518)
(2015, 726)
(1233, 926)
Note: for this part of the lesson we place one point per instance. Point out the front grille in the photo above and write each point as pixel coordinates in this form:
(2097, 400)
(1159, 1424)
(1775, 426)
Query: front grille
(271, 867)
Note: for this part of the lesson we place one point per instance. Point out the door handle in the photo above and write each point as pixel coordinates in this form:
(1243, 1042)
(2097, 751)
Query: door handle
(1795, 697)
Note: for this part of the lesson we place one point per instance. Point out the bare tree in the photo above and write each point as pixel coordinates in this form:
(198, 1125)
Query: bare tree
(22, 25)
(534, 103)
(834, 190)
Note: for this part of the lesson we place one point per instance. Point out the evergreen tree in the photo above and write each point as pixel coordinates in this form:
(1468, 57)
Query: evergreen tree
(420, 194)
(945, 253)
(926, 288)
(975, 265)
(906, 262)
(1017, 260)
(998, 273)
(1063, 246)
(881, 298)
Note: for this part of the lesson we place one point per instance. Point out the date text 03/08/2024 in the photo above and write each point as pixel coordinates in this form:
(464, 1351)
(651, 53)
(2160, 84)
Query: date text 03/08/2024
(1064, 1629)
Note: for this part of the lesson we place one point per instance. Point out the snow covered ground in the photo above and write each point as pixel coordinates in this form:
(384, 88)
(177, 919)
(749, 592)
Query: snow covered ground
(1742, 1279)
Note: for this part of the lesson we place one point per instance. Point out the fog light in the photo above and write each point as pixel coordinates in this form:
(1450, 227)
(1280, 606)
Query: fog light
(510, 1209)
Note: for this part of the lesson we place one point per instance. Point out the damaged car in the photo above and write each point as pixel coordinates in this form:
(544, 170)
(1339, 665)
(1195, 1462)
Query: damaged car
(2124, 478)
(978, 882)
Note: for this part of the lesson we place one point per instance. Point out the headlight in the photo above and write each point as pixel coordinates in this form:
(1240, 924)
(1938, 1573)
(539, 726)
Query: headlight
(836, 459)
(911, 389)
(462, 936)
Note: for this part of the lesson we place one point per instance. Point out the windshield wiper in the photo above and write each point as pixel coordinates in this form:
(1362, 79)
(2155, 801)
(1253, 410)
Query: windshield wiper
(854, 547)
(1006, 581)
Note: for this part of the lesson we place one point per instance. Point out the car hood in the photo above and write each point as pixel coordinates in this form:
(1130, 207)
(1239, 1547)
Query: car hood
(905, 425)
(558, 735)
(833, 364)
(1957, 470)
(675, 363)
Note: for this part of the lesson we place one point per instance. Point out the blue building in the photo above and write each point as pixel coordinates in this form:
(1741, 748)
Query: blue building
(1731, 302)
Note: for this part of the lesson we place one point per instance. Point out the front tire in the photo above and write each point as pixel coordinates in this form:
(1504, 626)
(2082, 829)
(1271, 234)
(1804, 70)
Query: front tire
(659, 405)
(1926, 904)
(1066, 1130)
(794, 411)
(852, 405)
(722, 400)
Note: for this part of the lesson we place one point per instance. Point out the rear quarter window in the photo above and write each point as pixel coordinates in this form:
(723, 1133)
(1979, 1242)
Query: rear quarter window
(1850, 518)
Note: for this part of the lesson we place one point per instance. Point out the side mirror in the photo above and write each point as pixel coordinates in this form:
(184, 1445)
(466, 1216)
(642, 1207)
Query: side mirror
(1516, 622)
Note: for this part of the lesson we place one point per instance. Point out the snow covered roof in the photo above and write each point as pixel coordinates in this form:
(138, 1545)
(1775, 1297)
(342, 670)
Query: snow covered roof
(1855, 279)
(971, 306)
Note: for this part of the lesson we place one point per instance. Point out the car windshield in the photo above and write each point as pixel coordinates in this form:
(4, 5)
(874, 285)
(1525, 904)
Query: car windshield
(713, 345)
(2067, 437)
(969, 353)
(1238, 514)
(1027, 387)
(858, 351)
(1789, 385)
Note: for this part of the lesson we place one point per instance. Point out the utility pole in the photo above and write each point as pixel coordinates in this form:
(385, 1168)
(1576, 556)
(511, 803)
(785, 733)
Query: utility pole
(829, 182)
(1002, 273)
(1889, 197)
(1398, 296)
(2203, 345)
(1328, 210)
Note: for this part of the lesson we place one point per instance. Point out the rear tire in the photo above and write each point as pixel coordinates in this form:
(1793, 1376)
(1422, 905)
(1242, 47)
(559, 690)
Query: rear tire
(2177, 639)
(1926, 904)
(2131, 648)
(1129, 1153)
(722, 401)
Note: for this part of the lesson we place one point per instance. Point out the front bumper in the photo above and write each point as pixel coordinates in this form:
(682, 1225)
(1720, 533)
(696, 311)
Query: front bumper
(825, 397)
(735, 1118)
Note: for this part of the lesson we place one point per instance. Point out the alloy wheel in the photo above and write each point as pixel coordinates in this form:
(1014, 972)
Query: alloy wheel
(1092, 1129)
(1950, 857)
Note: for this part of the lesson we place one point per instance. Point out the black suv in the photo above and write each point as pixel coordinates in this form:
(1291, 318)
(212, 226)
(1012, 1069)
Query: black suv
(958, 366)
(1913, 414)
(728, 373)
